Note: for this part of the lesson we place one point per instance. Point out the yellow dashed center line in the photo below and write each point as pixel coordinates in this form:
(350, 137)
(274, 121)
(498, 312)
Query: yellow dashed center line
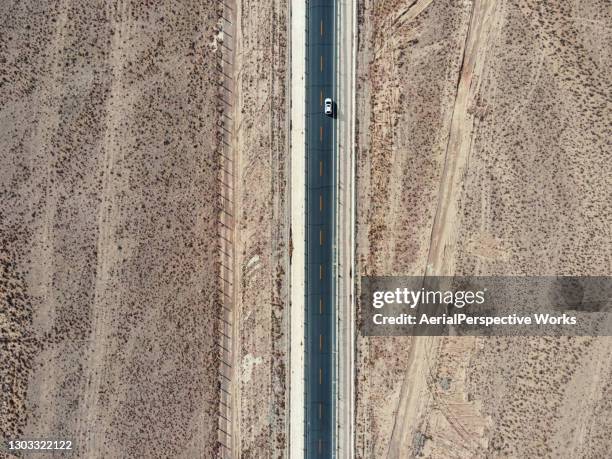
(321, 306)
(321, 133)
(321, 237)
(321, 98)
(321, 202)
(321, 63)
(320, 375)
(320, 342)
(320, 411)
(320, 271)
(320, 168)
(321, 27)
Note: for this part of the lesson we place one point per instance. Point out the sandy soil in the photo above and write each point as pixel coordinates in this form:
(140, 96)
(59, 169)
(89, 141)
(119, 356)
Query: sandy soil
(482, 150)
(262, 232)
(108, 216)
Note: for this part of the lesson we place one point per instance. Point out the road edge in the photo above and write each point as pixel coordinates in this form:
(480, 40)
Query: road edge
(345, 301)
(297, 165)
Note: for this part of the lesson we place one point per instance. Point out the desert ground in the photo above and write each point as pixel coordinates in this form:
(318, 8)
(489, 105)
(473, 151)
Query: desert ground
(262, 233)
(144, 236)
(108, 225)
(144, 241)
(482, 149)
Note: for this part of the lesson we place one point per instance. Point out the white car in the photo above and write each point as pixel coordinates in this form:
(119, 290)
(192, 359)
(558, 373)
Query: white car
(328, 107)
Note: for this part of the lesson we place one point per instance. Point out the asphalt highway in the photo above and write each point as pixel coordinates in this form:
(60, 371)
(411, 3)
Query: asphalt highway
(320, 153)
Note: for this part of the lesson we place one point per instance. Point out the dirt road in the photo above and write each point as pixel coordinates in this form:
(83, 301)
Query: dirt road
(440, 262)
(262, 234)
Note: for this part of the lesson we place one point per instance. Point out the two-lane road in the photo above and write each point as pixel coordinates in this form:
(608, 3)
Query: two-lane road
(320, 220)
